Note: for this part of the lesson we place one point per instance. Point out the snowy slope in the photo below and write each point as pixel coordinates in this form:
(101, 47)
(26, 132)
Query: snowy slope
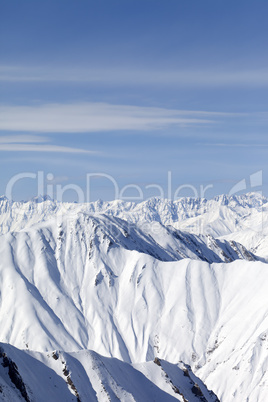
(87, 283)
(88, 376)
(74, 279)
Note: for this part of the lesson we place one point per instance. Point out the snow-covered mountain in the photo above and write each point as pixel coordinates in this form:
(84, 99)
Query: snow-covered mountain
(88, 376)
(243, 218)
(75, 279)
(17, 215)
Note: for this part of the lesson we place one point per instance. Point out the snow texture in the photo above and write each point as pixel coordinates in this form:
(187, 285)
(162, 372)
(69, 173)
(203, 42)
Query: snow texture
(107, 281)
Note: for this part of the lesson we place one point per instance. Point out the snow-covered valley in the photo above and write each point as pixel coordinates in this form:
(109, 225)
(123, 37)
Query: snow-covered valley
(173, 282)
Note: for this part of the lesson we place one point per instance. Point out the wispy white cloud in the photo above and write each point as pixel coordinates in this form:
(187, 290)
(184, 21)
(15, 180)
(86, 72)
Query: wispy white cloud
(94, 117)
(22, 139)
(128, 76)
(42, 148)
(30, 143)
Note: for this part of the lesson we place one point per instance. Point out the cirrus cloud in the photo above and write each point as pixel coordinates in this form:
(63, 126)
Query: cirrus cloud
(30, 143)
(94, 117)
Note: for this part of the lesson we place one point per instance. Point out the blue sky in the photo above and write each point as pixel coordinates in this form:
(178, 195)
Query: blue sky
(132, 90)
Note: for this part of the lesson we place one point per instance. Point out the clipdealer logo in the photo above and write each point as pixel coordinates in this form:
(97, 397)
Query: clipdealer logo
(45, 186)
